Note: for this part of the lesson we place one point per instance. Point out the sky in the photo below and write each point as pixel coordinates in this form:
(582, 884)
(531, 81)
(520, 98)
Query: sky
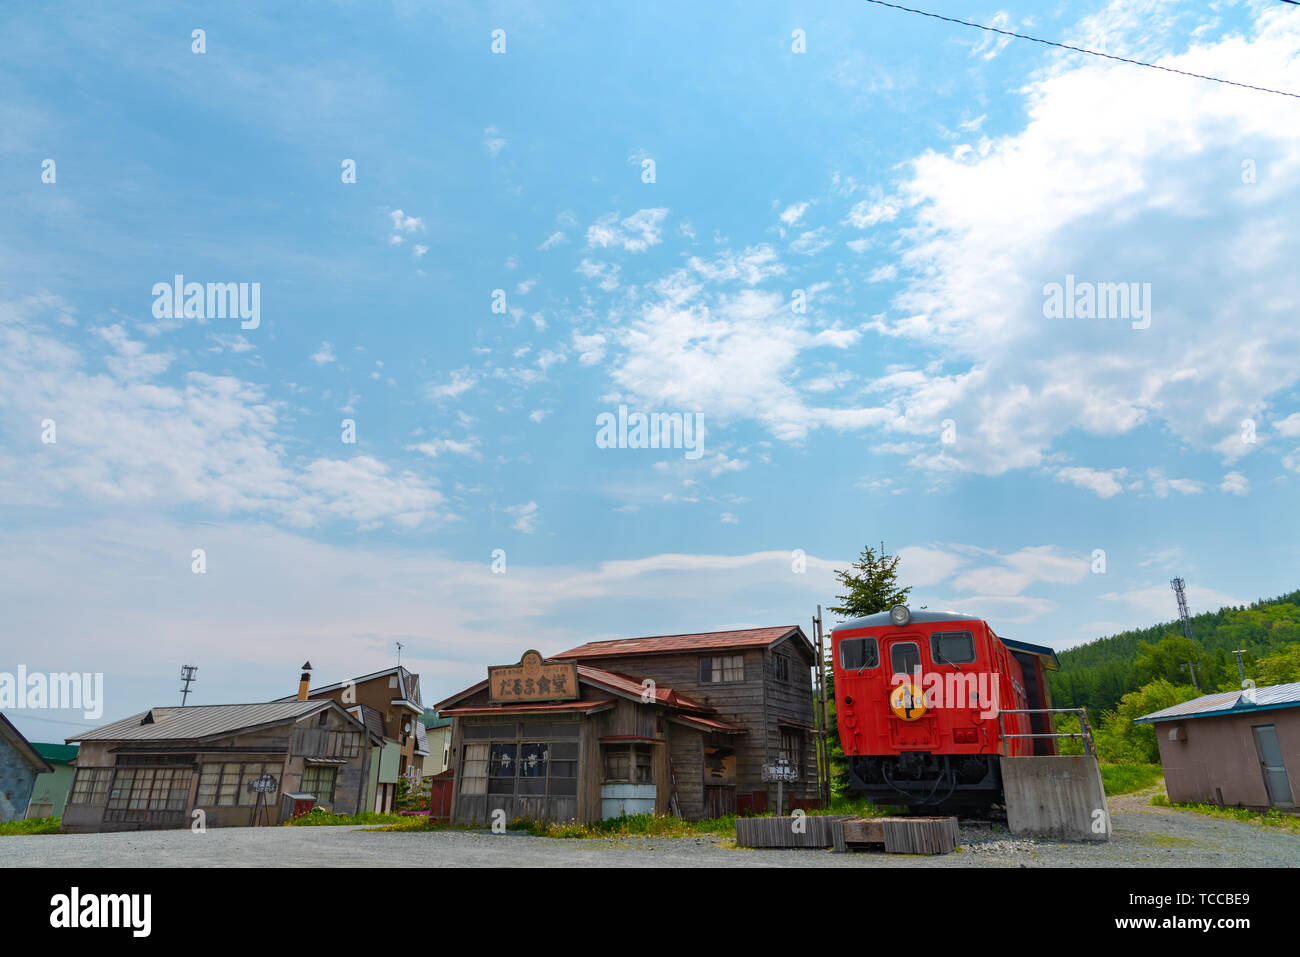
(829, 233)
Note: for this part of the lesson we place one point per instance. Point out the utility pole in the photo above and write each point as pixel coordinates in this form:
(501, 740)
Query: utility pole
(187, 675)
(822, 719)
(1191, 670)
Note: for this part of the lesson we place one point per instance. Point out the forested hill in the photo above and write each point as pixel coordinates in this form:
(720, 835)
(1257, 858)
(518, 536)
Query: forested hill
(1098, 674)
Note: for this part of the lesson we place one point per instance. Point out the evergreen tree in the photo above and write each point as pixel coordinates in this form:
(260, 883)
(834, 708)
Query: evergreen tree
(871, 585)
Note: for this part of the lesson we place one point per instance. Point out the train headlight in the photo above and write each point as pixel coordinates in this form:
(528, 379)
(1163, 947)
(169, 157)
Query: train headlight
(899, 615)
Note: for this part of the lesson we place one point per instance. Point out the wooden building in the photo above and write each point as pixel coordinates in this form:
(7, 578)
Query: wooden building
(679, 724)
(20, 764)
(386, 701)
(155, 769)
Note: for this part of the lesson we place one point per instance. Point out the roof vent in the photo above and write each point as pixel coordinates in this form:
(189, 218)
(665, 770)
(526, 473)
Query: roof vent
(149, 718)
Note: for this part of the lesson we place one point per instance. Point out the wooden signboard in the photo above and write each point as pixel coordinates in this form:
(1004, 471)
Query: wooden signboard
(533, 679)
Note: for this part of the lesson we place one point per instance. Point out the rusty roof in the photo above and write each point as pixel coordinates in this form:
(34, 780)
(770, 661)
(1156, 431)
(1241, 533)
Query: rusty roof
(700, 641)
(707, 724)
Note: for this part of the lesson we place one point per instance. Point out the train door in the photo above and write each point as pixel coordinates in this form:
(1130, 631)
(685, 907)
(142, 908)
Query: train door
(912, 726)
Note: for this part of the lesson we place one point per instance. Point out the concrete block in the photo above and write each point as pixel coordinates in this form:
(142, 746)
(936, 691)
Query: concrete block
(1059, 796)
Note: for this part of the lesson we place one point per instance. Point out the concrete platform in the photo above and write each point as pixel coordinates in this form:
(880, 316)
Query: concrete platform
(1058, 796)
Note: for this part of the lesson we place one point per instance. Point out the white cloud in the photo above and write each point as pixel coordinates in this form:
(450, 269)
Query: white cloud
(1234, 483)
(555, 239)
(127, 438)
(1104, 483)
(493, 142)
(460, 381)
(793, 213)
(324, 355)
(635, 234)
(525, 517)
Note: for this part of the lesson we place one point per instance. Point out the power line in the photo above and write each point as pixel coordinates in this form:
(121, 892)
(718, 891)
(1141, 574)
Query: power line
(1074, 49)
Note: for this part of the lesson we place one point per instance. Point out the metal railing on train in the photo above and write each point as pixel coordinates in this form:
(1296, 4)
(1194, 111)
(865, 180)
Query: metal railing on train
(1084, 732)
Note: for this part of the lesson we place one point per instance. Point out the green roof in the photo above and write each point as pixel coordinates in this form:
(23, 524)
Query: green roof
(59, 753)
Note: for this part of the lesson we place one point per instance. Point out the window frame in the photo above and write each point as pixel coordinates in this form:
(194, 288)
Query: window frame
(875, 646)
(708, 669)
(893, 650)
(91, 783)
(946, 659)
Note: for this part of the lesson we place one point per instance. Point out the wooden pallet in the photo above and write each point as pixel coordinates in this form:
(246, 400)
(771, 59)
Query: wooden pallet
(813, 830)
(900, 835)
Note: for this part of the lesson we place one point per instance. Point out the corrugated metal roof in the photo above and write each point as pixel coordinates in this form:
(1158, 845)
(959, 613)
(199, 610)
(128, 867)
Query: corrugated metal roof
(421, 739)
(1230, 702)
(62, 753)
(701, 641)
(200, 721)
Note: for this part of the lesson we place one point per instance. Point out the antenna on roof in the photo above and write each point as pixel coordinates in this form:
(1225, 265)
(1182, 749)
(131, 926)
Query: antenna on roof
(399, 651)
(187, 675)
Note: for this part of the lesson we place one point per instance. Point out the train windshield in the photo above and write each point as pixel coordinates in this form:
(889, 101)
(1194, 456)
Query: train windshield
(859, 653)
(905, 657)
(952, 647)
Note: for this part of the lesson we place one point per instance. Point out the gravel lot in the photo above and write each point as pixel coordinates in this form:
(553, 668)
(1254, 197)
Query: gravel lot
(1144, 836)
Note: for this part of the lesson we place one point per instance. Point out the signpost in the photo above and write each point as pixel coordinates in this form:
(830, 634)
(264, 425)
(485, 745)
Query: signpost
(780, 771)
(262, 786)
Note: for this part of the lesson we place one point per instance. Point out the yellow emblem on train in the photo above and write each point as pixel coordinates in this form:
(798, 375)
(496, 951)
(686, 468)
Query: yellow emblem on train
(907, 702)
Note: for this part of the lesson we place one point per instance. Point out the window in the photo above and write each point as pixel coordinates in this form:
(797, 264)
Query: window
(782, 668)
(392, 681)
(628, 763)
(792, 747)
(530, 767)
(859, 653)
(343, 744)
(473, 769)
(90, 785)
(501, 769)
(952, 647)
(319, 781)
(729, 668)
(905, 657)
(150, 789)
(227, 784)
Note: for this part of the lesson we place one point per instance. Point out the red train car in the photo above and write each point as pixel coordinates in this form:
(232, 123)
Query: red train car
(918, 697)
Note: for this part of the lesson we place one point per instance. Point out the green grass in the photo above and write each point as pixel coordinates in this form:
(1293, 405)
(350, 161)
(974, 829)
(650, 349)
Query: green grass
(1287, 822)
(1126, 778)
(31, 825)
(317, 817)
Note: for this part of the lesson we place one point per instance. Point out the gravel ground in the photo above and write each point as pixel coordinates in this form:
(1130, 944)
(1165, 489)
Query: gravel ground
(1144, 836)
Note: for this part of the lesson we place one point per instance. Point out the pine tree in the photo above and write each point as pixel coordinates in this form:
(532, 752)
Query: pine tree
(871, 584)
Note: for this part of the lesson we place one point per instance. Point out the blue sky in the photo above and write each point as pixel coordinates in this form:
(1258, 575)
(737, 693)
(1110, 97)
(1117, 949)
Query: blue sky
(915, 183)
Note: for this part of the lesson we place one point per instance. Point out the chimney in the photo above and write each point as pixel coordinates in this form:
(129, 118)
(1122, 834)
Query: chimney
(304, 682)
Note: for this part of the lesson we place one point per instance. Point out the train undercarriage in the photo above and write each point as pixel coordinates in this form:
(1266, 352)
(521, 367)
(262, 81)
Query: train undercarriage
(926, 782)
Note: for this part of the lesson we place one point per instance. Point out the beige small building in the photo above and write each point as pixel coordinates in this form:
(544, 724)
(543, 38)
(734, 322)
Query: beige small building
(156, 769)
(1233, 749)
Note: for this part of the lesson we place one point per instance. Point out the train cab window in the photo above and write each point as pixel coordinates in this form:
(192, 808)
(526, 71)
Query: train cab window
(859, 653)
(905, 657)
(952, 647)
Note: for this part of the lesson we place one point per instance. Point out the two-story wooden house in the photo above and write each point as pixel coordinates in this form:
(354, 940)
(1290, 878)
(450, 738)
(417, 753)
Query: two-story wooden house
(388, 703)
(679, 724)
